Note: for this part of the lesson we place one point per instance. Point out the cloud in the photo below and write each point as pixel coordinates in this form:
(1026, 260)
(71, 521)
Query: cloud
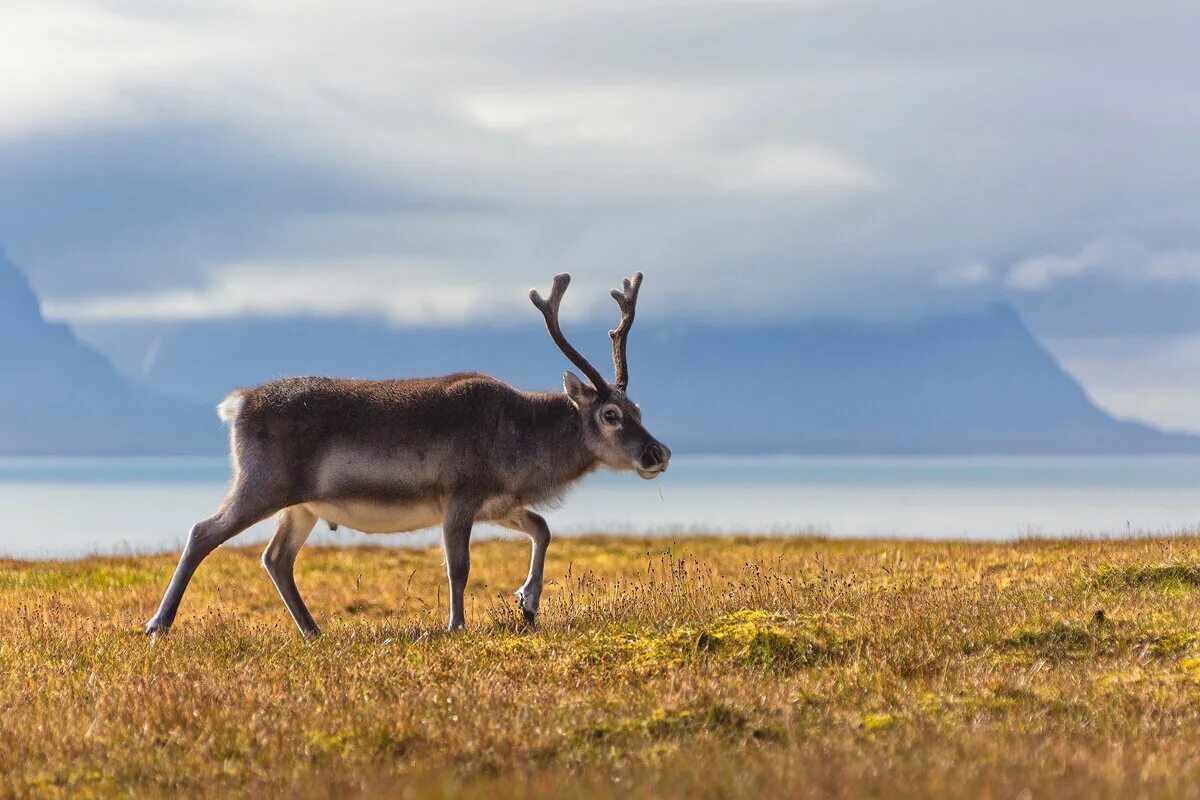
(1042, 272)
(1155, 378)
(426, 162)
(1174, 266)
(1118, 260)
(69, 65)
(961, 276)
(796, 167)
(399, 292)
(616, 115)
(754, 159)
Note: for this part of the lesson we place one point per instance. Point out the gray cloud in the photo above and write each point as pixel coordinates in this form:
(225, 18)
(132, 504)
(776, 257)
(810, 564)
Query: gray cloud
(755, 159)
(1153, 377)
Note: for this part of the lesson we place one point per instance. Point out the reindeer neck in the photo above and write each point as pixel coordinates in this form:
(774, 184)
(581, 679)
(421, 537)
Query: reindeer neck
(557, 441)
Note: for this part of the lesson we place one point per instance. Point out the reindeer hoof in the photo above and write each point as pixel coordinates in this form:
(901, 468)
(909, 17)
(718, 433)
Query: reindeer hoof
(154, 629)
(529, 614)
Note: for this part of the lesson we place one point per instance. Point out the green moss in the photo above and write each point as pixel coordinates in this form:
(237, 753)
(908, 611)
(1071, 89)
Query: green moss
(1163, 577)
(713, 718)
(748, 637)
(1067, 640)
(1173, 644)
(759, 638)
(878, 722)
(1007, 696)
(1061, 640)
(516, 646)
(325, 745)
(50, 577)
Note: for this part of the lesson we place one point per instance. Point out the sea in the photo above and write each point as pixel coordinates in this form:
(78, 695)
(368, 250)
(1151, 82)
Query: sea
(64, 508)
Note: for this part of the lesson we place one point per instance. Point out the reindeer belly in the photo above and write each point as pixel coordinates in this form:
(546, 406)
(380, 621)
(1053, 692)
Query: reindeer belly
(378, 517)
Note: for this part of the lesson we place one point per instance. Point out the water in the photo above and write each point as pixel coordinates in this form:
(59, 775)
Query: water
(65, 508)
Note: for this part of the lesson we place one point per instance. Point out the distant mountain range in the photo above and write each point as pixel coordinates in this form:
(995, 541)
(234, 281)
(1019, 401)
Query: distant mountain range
(972, 383)
(58, 396)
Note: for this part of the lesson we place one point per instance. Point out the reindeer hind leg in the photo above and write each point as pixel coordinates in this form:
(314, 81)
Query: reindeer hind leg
(241, 509)
(279, 559)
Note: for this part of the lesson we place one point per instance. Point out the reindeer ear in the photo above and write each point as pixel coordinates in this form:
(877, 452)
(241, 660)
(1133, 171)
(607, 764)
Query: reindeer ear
(581, 394)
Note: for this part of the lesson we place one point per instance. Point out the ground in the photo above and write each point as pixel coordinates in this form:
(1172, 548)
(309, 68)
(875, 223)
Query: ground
(697, 668)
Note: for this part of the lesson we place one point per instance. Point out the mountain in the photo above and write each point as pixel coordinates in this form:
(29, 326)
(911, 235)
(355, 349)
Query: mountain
(975, 382)
(58, 396)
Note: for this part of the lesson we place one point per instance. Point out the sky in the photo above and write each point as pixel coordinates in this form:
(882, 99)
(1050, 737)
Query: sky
(427, 162)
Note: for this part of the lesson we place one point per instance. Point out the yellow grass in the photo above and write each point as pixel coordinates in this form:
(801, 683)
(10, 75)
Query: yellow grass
(755, 667)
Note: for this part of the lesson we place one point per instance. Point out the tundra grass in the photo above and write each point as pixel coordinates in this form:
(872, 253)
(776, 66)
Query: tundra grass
(701, 668)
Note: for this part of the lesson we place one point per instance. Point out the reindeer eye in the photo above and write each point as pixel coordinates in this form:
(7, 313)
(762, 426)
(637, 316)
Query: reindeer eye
(611, 415)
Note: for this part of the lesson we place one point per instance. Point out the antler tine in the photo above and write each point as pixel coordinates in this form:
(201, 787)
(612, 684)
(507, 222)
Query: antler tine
(549, 309)
(626, 298)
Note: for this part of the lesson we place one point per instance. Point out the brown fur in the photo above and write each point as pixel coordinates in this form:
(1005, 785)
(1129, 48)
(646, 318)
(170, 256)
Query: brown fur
(498, 439)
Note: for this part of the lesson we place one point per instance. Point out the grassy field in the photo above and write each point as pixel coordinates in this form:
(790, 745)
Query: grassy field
(714, 668)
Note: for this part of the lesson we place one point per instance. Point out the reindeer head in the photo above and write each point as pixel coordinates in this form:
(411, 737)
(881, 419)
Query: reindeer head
(612, 423)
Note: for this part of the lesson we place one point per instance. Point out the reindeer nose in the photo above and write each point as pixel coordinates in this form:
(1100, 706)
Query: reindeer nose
(655, 456)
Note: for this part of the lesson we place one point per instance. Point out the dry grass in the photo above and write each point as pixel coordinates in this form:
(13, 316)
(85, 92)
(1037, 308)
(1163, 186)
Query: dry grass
(725, 667)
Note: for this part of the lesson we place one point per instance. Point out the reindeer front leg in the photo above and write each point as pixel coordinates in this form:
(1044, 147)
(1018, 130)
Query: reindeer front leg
(456, 541)
(534, 526)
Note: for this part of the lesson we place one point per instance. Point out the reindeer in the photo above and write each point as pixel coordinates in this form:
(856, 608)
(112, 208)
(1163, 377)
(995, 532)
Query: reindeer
(400, 455)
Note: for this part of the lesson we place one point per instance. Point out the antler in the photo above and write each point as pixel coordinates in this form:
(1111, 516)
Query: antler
(549, 309)
(626, 298)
